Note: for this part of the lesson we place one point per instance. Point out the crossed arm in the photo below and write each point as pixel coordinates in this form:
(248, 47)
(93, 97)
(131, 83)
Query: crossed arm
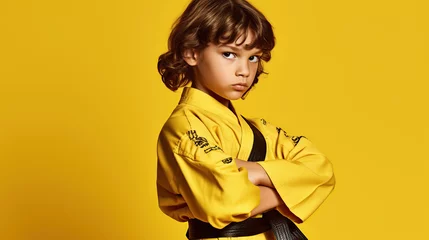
(257, 174)
(269, 197)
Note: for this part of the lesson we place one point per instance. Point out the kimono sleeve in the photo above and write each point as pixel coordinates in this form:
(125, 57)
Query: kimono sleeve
(300, 173)
(215, 190)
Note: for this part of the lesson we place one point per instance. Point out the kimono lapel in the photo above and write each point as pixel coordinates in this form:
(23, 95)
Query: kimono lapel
(246, 139)
(229, 116)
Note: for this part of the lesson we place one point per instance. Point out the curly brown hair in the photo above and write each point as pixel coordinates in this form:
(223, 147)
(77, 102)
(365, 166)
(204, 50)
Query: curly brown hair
(213, 21)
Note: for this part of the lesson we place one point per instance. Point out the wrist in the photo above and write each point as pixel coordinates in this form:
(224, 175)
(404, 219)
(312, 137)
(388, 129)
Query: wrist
(262, 176)
(259, 173)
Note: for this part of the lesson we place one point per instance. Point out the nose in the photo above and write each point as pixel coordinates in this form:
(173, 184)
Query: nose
(243, 68)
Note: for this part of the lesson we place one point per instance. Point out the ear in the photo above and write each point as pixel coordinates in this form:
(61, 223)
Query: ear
(190, 56)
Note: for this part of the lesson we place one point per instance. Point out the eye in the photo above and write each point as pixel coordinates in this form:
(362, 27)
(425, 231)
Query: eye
(254, 59)
(228, 55)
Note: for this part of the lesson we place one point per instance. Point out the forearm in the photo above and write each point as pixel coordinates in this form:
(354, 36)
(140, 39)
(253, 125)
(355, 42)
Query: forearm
(268, 194)
(263, 179)
(257, 174)
(269, 199)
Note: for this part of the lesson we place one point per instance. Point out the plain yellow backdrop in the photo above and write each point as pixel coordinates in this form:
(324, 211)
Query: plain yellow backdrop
(81, 104)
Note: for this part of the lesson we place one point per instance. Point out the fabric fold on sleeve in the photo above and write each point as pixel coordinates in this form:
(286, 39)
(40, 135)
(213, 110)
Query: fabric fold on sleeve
(303, 180)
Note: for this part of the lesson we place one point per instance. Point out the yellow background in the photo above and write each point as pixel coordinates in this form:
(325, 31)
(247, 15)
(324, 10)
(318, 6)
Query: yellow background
(81, 104)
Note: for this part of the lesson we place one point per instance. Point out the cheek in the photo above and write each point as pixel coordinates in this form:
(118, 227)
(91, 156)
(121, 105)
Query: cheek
(215, 66)
(254, 68)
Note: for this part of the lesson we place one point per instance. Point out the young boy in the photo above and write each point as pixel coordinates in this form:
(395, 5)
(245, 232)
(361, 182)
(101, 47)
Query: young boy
(217, 170)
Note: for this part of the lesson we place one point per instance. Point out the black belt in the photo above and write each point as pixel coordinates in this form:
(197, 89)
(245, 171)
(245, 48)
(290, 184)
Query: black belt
(283, 229)
(251, 226)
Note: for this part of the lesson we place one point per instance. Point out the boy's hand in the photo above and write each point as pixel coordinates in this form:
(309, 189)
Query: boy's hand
(256, 173)
(251, 169)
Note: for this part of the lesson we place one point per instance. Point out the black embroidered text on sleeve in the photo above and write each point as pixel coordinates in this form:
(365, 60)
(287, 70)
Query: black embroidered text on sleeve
(201, 142)
(281, 130)
(209, 149)
(295, 139)
(227, 160)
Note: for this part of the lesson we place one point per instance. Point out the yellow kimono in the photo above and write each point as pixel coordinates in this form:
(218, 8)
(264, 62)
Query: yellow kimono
(197, 176)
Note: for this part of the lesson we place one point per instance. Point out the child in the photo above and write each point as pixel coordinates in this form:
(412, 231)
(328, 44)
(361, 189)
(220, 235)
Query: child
(203, 174)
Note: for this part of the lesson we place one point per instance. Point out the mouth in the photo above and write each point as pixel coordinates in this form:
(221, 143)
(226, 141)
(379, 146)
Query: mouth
(239, 86)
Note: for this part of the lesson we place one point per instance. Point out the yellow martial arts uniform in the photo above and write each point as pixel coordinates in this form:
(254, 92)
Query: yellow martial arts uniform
(197, 176)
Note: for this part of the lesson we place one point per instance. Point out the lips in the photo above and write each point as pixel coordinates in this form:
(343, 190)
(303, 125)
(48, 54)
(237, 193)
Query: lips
(239, 86)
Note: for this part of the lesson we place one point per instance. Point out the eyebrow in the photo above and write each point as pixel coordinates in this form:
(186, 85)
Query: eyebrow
(238, 49)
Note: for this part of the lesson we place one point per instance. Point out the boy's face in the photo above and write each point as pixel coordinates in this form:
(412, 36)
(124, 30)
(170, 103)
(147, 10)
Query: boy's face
(225, 71)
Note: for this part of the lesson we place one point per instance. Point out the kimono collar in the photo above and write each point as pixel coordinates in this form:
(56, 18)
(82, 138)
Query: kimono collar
(200, 99)
(205, 102)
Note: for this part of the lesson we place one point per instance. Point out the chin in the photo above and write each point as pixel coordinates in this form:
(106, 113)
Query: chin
(236, 96)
